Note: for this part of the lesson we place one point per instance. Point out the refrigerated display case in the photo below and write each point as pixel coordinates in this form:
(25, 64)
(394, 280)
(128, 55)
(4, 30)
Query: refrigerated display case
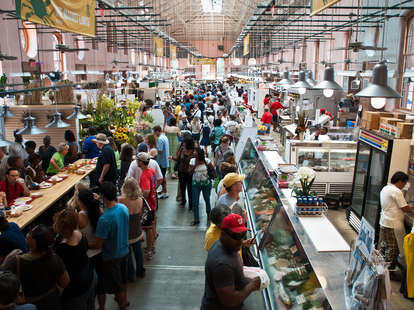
(298, 272)
(248, 160)
(332, 161)
(378, 158)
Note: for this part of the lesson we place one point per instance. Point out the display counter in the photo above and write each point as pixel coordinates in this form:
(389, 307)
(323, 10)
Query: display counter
(305, 258)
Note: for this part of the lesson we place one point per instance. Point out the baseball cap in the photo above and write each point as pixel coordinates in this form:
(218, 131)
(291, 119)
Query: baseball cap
(232, 178)
(143, 157)
(234, 223)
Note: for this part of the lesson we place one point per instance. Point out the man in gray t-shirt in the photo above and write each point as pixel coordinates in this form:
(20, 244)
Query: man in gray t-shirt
(232, 182)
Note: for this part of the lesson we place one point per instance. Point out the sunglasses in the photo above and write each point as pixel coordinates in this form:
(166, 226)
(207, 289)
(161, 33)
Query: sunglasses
(235, 236)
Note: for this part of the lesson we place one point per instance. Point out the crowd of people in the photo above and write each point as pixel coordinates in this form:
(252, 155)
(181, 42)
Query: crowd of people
(95, 245)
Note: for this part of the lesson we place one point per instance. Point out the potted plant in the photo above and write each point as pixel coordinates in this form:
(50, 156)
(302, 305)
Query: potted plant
(303, 181)
(301, 124)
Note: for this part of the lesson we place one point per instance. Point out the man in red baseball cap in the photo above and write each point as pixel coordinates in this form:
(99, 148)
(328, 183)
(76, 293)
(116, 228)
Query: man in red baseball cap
(226, 287)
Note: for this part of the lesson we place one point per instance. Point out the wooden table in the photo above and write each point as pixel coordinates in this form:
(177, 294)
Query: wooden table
(50, 196)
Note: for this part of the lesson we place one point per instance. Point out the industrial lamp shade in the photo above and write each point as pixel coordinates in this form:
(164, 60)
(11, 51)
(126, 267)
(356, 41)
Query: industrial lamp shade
(4, 142)
(77, 113)
(57, 122)
(378, 86)
(301, 83)
(285, 79)
(309, 78)
(329, 80)
(30, 127)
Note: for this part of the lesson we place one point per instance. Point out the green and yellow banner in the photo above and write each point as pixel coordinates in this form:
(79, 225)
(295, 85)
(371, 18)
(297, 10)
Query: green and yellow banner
(173, 52)
(77, 16)
(158, 46)
(320, 5)
(246, 43)
(205, 61)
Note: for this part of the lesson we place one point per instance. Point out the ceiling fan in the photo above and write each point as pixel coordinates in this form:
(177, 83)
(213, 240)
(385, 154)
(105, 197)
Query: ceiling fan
(356, 46)
(116, 62)
(64, 49)
(6, 57)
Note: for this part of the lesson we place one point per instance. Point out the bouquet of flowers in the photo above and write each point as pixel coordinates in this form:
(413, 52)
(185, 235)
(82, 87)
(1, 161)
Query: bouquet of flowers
(121, 135)
(303, 182)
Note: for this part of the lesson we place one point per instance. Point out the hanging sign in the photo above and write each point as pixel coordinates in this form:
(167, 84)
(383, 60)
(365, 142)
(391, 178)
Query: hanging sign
(320, 5)
(246, 42)
(77, 16)
(158, 46)
(173, 52)
(204, 61)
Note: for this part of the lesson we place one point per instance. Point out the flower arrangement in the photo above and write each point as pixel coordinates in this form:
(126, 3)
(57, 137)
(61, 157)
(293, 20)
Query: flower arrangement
(121, 135)
(303, 181)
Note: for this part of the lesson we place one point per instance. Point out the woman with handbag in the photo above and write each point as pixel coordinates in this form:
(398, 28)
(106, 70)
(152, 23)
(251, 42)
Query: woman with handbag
(217, 132)
(201, 182)
(40, 271)
(131, 196)
(173, 133)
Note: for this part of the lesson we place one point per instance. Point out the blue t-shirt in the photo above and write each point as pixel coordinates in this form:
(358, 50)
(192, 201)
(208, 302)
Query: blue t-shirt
(90, 148)
(113, 227)
(12, 238)
(163, 151)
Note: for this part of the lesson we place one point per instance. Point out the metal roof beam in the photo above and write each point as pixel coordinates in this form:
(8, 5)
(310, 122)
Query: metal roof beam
(398, 7)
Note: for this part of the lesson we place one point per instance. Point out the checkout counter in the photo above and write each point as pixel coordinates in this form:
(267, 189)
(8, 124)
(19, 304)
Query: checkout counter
(305, 263)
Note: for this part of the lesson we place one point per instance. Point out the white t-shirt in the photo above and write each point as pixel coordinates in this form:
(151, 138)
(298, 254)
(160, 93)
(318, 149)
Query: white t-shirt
(135, 172)
(323, 138)
(392, 200)
(200, 175)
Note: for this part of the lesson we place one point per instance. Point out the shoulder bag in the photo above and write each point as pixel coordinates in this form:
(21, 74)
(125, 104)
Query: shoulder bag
(147, 214)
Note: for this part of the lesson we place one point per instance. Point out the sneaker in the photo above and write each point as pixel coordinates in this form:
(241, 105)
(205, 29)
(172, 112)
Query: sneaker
(164, 196)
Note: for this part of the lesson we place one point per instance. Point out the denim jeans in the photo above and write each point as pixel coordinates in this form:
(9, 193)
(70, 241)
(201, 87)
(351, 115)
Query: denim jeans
(136, 250)
(196, 199)
(86, 301)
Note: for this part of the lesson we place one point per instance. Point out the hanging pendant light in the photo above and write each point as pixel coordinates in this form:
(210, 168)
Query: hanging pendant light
(30, 127)
(77, 113)
(285, 81)
(5, 111)
(301, 85)
(309, 78)
(57, 121)
(328, 84)
(377, 89)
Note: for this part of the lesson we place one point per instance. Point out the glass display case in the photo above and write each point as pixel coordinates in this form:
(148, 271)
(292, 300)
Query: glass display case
(248, 160)
(333, 161)
(294, 284)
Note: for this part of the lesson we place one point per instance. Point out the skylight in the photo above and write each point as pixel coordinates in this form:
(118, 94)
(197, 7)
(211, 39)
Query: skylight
(212, 6)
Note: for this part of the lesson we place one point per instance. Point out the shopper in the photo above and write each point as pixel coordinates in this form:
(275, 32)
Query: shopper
(233, 183)
(88, 217)
(392, 229)
(57, 162)
(11, 238)
(126, 157)
(73, 150)
(13, 186)
(223, 147)
(72, 247)
(184, 154)
(225, 168)
(225, 285)
(173, 133)
(116, 152)
(40, 271)
(274, 107)
(216, 134)
(267, 119)
(112, 234)
(151, 141)
(9, 290)
(205, 131)
(16, 148)
(30, 147)
(90, 149)
(148, 183)
(34, 169)
(131, 196)
(217, 215)
(3, 162)
(196, 128)
(163, 149)
(201, 183)
(106, 165)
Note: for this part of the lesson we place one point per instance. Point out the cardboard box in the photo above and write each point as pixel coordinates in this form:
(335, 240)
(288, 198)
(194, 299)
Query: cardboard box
(390, 120)
(406, 130)
(372, 125)
(386, 114)
(399, 115)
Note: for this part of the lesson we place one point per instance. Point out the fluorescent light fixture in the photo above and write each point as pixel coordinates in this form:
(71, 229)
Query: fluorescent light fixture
(212, 6)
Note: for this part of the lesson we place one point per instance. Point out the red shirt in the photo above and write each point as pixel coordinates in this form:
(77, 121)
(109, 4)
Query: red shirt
(13, 192)
(276, 105)
(266, 101)
(148, 181)
(266, 118)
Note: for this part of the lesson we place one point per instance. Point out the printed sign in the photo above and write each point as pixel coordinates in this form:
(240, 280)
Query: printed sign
(76, 16)
(366, 237)
(173, 52)
(246, 47)
(158, 46)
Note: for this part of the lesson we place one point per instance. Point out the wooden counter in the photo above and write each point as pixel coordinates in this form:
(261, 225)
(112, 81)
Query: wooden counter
(50, 196)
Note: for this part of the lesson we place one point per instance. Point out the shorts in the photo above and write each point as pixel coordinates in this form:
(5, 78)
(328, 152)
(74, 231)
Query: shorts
(115, 275)
(163, 171)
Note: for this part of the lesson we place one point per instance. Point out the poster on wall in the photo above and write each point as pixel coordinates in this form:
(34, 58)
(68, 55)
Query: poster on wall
(158, 46)
(173, 52)
(77, 16)
(246, 47)
(320, 5)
